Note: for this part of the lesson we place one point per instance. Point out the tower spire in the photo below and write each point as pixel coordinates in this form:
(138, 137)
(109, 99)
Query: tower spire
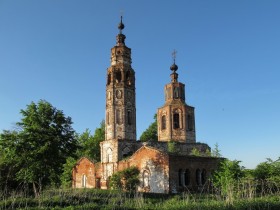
(121, 26)
(174, 68)
(121, 37)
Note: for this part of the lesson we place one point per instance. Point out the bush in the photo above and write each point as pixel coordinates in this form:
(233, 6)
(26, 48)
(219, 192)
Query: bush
(127, 180)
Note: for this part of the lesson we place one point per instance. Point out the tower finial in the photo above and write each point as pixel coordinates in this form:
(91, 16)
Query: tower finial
(121, 26)
(121, 37)
(174, 55)
(174, 67)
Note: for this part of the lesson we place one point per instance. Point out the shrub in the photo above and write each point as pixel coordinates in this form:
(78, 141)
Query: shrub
(127, 180)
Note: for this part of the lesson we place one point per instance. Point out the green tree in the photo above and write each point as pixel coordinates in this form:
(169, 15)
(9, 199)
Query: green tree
(269, 171)
(151, 132)
(89, 147)
(195, 152)
(226, 177)
(216, 152)
(41, 147)
(127, 179)
(66, 176)
(91, 144)
(8, 160)
(172, 147)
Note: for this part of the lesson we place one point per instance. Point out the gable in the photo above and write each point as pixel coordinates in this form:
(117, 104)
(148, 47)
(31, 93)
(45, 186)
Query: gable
(146, 153)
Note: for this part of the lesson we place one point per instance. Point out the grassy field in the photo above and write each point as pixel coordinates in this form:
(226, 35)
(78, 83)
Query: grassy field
(101, 199)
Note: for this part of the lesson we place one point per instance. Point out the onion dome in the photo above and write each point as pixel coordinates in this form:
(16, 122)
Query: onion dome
(121, 26)
(174, 67)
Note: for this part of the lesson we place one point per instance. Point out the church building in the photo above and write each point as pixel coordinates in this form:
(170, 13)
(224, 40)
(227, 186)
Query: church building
(167, 165)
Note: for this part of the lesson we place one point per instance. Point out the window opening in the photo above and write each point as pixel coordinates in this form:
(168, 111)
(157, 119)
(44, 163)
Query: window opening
(187, 177)
(128, 78)
(109, 155)
(84, 181)
(129, 121)
(146, 179)
(198, 177)
(176, 121)
(163, 122)
(118, 76)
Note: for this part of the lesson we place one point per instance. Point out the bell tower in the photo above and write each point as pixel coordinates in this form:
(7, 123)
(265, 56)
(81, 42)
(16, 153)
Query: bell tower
(120, 93)
(176, 120)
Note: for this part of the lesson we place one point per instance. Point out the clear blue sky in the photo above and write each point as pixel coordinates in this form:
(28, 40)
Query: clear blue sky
(228, 57)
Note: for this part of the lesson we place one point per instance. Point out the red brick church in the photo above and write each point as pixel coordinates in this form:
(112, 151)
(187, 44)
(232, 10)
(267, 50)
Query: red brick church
(161, 170)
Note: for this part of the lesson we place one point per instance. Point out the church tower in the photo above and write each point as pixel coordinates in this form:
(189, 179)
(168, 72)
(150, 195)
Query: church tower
(120, 119)
(120, 93)
(176, 120)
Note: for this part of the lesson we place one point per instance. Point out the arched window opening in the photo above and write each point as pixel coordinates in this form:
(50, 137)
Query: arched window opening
(84, 181)
(176, 92)
(198, 177)
(176, 121)
(109, 155)
(128, 78)
(109, 79)
(190, 123)
(187, 177)
(146, 179)
(129, 120)
(203, 176)
(118, 76)
(163, 122)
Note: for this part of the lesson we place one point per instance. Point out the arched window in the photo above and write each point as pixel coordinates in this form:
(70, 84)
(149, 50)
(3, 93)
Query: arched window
(203, 176)
(176, 120)
(146, 179)
(163, 122)
(187, 177)
(118, 76)
(84, 181)
(128, 78)
(176, 92)
(190, 123)
(129, 120)
(198, 176)
(109, 155)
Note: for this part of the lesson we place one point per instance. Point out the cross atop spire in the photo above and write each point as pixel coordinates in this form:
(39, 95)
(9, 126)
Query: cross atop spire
(174, 67)
(121, 26)
(174, 53)
(121, 37)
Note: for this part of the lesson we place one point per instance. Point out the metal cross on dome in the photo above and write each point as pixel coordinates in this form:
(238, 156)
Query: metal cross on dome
(174, 53)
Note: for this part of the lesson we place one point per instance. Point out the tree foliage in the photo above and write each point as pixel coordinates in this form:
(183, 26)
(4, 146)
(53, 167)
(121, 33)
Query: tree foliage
(195, 152)
(268, 171)
(66, 176)
(90, 144)
(150, 134)
(127, 179)
(39, 150)
(227, 175)
(216, 152)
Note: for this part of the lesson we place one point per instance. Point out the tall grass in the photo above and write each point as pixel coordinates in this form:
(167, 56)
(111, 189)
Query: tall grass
(245, 194)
